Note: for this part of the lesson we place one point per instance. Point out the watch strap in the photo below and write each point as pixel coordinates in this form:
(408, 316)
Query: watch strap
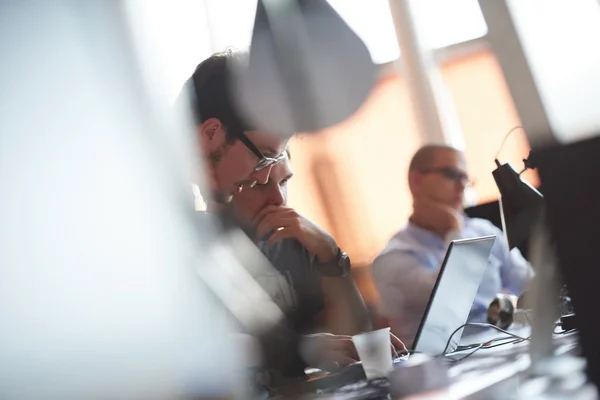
(338, 267)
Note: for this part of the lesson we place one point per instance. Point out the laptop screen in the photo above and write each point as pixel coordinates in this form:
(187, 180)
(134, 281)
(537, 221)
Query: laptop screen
(453, 294)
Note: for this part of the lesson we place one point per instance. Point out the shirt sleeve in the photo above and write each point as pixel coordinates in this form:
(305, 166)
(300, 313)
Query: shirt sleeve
(296, 264)
(515, 271)
(402, 282)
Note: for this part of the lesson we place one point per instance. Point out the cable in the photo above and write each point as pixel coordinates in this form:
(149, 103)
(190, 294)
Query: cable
(469, 354)
(504, 141)
(511, 341)
(484, 325)
(488, 344)
(512, 338)
(485, 345)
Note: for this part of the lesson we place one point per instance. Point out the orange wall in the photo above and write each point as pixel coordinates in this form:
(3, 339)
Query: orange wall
(486, 113)
(368, 155)
(351, 178)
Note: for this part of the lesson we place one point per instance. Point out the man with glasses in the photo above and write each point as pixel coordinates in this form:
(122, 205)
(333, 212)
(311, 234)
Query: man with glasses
(327, 300)
(238, 156)
(235, 154)
(406, 270)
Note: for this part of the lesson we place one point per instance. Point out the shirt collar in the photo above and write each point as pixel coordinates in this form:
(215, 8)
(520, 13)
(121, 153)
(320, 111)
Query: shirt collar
(427, 236)
(424, 235)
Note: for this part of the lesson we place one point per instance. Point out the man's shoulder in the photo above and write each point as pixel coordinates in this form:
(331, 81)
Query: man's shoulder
(401, 246)
(482, 227)
(402, 241)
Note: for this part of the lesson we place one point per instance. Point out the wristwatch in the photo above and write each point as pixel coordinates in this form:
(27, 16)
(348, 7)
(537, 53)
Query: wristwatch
(338, 267)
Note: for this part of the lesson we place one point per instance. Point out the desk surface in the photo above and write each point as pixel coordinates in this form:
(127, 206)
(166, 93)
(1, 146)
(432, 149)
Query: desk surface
(497, 372)
(487, 373)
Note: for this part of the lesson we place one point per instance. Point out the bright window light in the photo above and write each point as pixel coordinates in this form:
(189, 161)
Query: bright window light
(441, 22)
(188, 31)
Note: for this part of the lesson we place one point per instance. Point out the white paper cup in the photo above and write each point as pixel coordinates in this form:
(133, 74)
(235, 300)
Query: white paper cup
(375, 352)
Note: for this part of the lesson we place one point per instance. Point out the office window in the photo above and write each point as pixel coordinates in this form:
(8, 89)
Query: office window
(441, 22)
(187, 31)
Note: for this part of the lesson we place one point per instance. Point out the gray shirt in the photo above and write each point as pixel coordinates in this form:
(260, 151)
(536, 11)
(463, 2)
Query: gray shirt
(297, 265)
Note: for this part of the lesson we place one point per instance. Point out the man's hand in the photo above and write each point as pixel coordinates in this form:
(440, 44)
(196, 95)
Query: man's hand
(276, 223)
(325, 349)
(436, 216)
(397, 345)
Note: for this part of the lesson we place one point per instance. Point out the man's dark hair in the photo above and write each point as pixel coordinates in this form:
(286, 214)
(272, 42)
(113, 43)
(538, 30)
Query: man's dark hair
(424, 157)
(210, 90)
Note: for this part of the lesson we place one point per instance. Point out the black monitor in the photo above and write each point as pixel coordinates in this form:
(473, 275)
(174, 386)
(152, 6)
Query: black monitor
(570, 175)
(546, 52)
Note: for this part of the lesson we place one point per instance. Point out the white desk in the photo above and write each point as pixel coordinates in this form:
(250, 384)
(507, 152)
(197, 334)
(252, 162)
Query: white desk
(502, 372)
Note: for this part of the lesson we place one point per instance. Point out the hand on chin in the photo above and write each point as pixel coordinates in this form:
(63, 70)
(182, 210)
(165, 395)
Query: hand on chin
(436, 216)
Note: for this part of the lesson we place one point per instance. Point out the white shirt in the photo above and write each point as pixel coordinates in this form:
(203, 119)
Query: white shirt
(406, 270)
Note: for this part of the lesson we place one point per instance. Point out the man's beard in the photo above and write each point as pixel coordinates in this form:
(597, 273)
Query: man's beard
(220, 198)
(247, 227)
(216, 194)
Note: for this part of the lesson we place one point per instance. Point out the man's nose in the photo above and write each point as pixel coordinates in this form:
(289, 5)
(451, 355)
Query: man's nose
(276, 197)
(262, 176)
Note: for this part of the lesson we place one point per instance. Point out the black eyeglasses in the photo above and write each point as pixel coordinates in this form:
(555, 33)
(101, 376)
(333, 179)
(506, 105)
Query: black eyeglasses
(263, 161)
(451, 173)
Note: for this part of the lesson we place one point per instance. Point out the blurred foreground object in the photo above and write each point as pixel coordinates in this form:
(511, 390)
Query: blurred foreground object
(99, 296)
(307, 69)
(432, 105)
(420, 374)
(554, 79)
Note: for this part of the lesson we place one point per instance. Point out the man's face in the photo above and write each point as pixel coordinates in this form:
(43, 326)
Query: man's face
(444, 180)
(248, 203)
(231, 166)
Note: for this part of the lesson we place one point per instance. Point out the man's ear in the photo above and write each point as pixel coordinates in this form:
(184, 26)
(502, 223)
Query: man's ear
(211, 129)
(414, 181)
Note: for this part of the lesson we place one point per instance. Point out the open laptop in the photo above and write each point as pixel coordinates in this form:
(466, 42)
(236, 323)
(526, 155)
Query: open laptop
(448, 308)
(453, 294)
